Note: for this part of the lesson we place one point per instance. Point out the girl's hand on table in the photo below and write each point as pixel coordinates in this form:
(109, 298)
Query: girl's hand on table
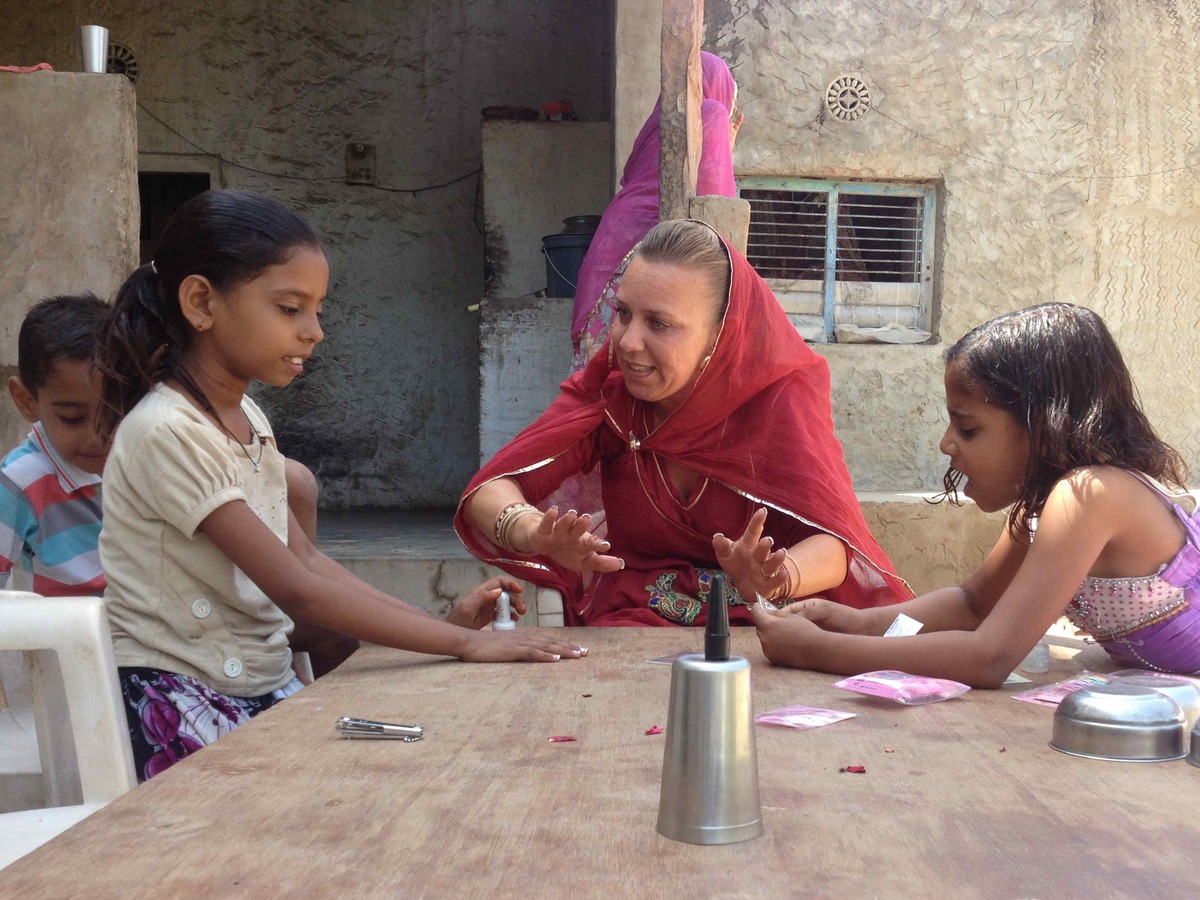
(787, 640)
(568, 540)
(520, 645)
(829, 616)
(477, 608)
(751, 561)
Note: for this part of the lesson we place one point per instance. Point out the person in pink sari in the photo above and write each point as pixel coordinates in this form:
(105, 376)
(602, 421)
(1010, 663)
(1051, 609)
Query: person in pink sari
(634, 210)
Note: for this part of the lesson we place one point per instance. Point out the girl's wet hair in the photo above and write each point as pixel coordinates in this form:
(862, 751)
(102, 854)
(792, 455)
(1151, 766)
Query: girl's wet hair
(1057, 370)
(229, 237)
(691, 245)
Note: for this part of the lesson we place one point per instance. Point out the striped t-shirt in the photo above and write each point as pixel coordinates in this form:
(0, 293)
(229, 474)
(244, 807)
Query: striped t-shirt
(50, 520)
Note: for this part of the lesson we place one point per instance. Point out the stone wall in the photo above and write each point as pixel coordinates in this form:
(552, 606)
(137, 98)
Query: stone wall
(388, 415)
(1062, 137)
(68, 199)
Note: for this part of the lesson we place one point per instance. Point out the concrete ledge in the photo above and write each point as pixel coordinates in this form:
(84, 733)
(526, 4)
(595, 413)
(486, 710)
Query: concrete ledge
(931, 545)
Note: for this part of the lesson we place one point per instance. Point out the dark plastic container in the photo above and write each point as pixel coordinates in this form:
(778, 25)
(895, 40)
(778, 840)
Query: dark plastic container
(564, 256)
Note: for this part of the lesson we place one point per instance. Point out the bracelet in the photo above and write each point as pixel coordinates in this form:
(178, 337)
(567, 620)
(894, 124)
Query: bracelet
(789, 590)
(507, 518)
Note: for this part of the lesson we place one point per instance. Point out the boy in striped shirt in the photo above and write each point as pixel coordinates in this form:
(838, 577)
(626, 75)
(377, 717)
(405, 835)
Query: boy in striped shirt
(50, 511)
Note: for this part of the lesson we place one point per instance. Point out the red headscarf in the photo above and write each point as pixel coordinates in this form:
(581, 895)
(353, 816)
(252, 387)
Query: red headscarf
(758, 420)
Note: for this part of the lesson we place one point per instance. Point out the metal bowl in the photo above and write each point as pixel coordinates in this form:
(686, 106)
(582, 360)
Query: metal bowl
(1183, 691)
(1126, 723)
(1194, 750)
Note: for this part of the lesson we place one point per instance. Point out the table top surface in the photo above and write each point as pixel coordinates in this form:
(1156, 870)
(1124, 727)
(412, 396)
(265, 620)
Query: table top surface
(961, 798)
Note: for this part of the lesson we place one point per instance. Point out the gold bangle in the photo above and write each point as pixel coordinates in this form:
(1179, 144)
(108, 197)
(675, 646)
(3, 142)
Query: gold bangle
(516, 516)
(506, 519)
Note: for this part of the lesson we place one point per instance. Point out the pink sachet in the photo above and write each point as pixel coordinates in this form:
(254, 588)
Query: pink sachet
(911, 690)
(802, 717)
(1052, 694)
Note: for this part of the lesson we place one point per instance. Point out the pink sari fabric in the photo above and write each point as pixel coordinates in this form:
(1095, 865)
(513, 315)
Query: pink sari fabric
(634, 211)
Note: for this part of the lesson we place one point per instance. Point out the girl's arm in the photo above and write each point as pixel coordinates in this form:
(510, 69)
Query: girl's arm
(1010, 614)
(345, 604)
(959, 608)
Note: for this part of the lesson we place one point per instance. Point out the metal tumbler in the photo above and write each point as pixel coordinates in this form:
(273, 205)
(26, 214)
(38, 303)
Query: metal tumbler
(709, 789)
(95, 48)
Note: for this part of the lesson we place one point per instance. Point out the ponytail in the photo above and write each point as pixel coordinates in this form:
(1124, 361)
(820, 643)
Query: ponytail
(229, 238)
(141, 342)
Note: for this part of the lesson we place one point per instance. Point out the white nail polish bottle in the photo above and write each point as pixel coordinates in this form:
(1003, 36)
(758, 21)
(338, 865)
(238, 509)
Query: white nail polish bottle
(504, 620)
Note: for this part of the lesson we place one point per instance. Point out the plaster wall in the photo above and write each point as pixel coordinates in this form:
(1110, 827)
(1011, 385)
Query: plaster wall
(68, 199)
(1066, 172)
(535, 174)
(637, 58)
(388, 413)
(525, 355)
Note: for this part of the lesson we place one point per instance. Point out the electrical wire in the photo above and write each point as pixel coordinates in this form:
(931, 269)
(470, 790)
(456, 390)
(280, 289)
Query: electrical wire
(237, 165)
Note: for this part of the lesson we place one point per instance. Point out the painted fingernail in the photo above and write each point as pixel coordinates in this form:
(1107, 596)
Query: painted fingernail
(582, 650)
(571, 512)
(556, 657)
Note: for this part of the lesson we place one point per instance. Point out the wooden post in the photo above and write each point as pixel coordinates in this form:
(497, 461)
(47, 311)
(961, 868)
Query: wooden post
(680, 128)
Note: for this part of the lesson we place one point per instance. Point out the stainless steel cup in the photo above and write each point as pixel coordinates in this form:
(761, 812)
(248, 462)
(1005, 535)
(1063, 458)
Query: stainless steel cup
(709, 789)
(95, 48)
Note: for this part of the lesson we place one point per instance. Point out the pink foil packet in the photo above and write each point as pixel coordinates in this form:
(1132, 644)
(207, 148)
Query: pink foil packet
(1053, 694)
(802, 717)
(911, 690)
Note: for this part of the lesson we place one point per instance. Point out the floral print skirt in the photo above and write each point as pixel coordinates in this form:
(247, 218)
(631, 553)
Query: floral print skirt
(172, 716)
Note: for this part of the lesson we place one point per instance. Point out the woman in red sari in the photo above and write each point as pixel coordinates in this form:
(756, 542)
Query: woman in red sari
(707, 415)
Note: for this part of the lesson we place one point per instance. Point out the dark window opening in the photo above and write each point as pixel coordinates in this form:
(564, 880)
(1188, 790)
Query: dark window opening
(161, 193)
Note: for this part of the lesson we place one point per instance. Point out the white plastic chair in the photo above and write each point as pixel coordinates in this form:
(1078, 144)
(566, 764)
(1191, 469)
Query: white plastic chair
(77, 703)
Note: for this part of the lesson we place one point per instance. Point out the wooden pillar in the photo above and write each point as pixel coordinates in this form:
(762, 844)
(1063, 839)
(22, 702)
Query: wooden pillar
(679, 121)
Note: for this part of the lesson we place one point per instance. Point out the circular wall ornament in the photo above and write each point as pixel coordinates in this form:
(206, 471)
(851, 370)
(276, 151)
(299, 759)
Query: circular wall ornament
(121, 61)
(848, 98)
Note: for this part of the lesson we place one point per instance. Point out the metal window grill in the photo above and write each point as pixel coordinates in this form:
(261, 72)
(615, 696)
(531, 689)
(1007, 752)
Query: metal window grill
(869, 234)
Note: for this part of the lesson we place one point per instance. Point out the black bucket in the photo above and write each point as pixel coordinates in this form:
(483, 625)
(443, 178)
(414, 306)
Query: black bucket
(564, 257)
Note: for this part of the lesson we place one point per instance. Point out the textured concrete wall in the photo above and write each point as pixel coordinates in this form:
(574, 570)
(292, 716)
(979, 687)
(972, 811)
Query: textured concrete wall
(930, 544)
(1063, 136)
(637, 55)
(388, 415)
(525, 355)
(535, 174)
(68, 199)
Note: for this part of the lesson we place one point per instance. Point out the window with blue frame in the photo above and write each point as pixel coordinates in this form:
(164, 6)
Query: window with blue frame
(848, 260)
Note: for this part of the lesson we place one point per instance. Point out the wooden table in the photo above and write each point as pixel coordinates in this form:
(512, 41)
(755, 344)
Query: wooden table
(970, 802)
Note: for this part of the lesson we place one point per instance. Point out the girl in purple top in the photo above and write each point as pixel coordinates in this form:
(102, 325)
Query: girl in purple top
(1043, 421)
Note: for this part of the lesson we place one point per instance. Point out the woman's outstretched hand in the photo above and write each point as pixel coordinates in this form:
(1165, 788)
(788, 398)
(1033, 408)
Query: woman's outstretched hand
(736, 118)
(751, 561)
(477, 608)
(568, 540)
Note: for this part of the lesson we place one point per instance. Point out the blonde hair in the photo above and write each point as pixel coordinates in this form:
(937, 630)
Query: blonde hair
(691, 244)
